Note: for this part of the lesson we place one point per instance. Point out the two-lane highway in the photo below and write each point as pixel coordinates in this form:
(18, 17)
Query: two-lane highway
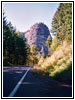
(12, 78)
(18, 81)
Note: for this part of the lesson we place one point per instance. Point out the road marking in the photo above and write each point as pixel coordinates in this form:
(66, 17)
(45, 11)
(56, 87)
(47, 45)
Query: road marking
(18, 84)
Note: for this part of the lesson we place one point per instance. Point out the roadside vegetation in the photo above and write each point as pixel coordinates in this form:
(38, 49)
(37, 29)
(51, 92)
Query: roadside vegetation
(14, 47)
(58, 63)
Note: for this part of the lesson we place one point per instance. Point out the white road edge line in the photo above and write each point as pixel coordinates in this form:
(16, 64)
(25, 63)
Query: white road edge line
(18, 84)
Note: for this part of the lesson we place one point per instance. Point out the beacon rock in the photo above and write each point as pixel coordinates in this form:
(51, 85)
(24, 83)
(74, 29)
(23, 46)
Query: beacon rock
(37, 35)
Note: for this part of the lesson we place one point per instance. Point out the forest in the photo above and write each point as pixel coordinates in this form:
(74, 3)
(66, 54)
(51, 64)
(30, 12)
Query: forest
(58, 63)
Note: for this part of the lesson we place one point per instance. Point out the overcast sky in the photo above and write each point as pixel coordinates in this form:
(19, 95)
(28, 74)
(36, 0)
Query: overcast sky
(24, 15)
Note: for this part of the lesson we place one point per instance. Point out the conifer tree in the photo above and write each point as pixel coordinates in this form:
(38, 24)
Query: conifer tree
(62, 22)
(14, 47)
(49, 41)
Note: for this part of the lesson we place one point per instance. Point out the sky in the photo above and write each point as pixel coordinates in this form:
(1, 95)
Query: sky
(24, 15)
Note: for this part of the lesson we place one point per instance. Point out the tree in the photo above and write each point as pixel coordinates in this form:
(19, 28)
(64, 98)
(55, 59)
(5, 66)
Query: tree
(32, 55)
(62, 22)
(14, 47)
(49, 41)
(33, 50)
(54, 45)
(7, 35)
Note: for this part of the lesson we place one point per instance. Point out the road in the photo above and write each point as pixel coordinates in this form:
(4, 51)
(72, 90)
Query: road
(18, 81)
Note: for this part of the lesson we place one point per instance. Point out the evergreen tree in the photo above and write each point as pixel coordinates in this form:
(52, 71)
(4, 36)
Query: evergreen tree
(14, 47)
(6, 39)
(62, 22)
(33, 55)
(49, 41)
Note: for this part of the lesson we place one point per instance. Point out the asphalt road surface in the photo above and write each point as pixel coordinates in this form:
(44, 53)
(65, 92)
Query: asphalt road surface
(18, 81)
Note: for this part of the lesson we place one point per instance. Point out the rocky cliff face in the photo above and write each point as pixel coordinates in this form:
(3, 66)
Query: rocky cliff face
(37, 35)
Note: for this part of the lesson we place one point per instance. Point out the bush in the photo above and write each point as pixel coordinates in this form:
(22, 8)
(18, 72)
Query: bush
(65, 75)
(5, 61)
(54, 45)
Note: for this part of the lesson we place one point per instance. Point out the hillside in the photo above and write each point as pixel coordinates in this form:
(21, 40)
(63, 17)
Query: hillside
(59, 64)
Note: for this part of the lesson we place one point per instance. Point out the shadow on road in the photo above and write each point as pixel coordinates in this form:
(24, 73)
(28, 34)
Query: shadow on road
(32, 85)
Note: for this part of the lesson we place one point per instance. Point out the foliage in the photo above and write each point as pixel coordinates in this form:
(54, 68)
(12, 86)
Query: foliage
(59, 64)
(14, 47)
(33, 55)
(54, 45)
(65, 75)
(49, 41)
(33, 50)
(62, 22)
(38, 70)
(41, 61)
